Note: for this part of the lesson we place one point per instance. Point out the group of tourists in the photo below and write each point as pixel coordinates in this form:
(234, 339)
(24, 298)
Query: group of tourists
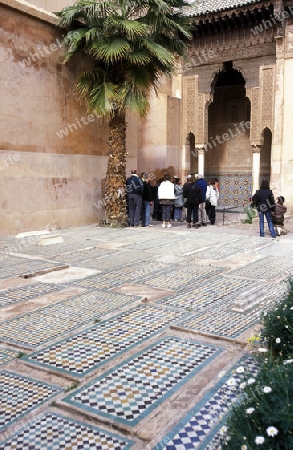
(167, 200)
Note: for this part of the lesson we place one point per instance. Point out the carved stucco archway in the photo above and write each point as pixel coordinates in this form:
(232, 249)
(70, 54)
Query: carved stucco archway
(259, 88)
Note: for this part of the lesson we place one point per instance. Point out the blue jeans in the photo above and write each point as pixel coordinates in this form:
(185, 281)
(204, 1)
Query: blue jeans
(145, 213)
(269, 219)
(166, 213)
(178, 213)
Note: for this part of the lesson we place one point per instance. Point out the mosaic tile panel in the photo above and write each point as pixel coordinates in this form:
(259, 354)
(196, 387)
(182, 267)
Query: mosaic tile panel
(47, 323)
(266, 268)
(194, 430)
(133, 389)
(20, 395)
(21, 267)
(163, 240)
(235, 189)
(52, 431)
(177, 277)
(222, 321)
(79, 257)
(110, 263)
(6, 355)
(85, 351)
(212, 293)
(27, 292)
(127, 274)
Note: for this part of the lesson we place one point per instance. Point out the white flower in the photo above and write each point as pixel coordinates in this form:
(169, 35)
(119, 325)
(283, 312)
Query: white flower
(223, 430)
(240, 369)
(242, 385)
(250, 410)
(272, 431)
(262, 350)
(278, 340)
(267, 389)
(231, 382)
(288, 361)
(243, 447)
(251, 381)
(259, 440)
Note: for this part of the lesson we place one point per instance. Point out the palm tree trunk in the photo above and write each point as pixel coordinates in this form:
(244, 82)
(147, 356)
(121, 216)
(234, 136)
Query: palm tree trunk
(115, 201)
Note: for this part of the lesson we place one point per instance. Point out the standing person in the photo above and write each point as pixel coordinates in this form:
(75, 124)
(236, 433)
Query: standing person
(212, 197)
(265, 204)
(202, 214)
(278, 216)
(134, 191)
(178, 200)
(157, 211)
(166, 199)
(193, 196)
(147, 201)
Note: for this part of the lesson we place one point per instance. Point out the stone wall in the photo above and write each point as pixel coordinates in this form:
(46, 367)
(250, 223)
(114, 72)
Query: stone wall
(52, 151)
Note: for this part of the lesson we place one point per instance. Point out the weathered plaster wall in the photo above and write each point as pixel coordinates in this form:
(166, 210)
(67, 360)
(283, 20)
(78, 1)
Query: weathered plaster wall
(52, 5)
(52, 151)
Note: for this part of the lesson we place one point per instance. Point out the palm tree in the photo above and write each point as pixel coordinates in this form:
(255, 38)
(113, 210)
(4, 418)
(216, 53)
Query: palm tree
(132, 44)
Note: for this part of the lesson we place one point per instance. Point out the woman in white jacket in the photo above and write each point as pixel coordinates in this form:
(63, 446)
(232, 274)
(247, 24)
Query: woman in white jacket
(166, 200)
(212, 198)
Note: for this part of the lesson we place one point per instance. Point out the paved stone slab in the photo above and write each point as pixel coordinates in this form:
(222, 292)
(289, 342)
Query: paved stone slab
(129, 273)
(209, 292)
(25, 267)
(267, 268)
(7, 355)
(26, 292)
(21, 394)
(131, 390)
(86, 351)
(53, 431)
(48, 323)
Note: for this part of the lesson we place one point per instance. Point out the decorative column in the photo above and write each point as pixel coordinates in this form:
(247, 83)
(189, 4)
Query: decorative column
(255, 167)
(200, 152)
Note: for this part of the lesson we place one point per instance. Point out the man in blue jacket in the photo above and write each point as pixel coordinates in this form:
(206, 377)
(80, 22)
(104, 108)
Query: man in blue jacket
(202, 215)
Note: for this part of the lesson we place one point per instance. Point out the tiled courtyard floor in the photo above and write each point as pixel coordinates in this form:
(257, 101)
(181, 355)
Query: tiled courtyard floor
(131, 338)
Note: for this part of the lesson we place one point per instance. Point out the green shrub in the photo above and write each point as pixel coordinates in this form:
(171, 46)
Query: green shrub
(250, 213)
(277, 327)
(263, 417)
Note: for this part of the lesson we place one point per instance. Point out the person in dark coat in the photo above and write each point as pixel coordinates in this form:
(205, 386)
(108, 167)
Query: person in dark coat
(147, 201)
(278, 216)
(134, 191)
(193, 195)
(202, 184)
(264, 201)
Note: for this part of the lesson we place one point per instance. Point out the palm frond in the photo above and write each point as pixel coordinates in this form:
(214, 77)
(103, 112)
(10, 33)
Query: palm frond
(133, 100)
(132, 29)
(73, 41)
(139, 58)
(163, 55)
(99, 93)
(109, 51)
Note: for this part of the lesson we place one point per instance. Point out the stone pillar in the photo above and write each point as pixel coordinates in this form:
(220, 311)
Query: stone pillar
(200, 152)
(255, 167)
(185, 158)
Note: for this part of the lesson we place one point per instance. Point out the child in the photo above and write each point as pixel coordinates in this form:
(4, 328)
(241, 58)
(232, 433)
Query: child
(278, 216)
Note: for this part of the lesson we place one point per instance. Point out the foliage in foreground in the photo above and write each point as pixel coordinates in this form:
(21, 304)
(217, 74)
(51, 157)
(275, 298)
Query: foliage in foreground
(262, 418)
(277, 330)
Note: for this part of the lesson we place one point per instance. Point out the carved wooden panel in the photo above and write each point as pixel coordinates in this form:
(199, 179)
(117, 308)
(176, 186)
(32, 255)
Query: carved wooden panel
(255, 116)
(190, 89)
(267, 97)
